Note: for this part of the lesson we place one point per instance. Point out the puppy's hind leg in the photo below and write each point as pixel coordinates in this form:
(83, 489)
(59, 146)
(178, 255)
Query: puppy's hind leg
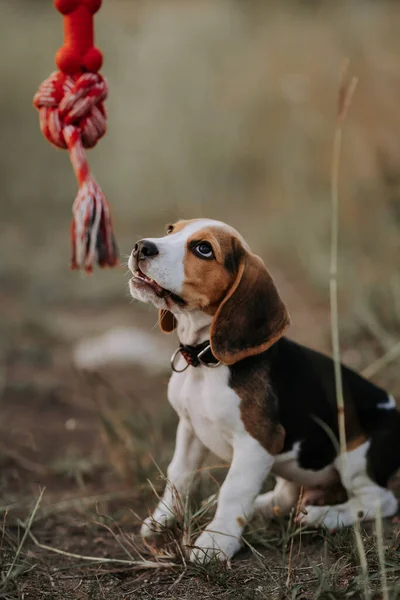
(364, 495)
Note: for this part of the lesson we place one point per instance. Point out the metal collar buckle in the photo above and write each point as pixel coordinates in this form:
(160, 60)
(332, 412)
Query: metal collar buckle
(173, 359)
(199, 358)
(205, 364)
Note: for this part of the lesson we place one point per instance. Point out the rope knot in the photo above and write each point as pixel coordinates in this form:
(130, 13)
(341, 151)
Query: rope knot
(63, 100)
(73, 117)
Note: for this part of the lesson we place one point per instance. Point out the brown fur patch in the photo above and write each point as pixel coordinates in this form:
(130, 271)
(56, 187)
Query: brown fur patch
(335, 493)
(240, 521)
(270, 435)
(166, 321)
(257, 409)
(356, 442)
(180, 225)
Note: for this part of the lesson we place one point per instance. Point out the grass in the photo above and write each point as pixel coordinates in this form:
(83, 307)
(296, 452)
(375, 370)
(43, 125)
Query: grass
(277, 556)
(13, 562)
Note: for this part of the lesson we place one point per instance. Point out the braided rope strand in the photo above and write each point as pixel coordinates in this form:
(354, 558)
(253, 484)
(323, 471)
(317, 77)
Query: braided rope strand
(73, 117)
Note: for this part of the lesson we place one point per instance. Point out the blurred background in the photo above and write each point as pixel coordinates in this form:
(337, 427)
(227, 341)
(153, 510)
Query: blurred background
(217, 108)
(223, 109)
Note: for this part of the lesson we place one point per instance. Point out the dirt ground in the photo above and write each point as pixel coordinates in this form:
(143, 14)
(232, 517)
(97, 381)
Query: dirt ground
(93, 441)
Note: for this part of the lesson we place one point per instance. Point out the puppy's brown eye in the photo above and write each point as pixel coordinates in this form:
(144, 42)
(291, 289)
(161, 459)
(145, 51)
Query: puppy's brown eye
(204, 250)
(170, 228)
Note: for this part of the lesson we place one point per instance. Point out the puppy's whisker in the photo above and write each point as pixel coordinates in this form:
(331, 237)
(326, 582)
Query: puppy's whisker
(156, 324)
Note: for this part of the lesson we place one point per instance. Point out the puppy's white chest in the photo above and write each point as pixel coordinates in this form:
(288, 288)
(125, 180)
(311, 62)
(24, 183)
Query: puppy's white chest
(202, 396)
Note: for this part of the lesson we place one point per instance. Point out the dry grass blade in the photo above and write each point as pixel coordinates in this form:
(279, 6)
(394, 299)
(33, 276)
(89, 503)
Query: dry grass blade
(346, 93)
(381, 362)
(10, 572)
(138, 564)
(24, 462)
(363, 559)
(3, 531)
(293, 520)
(261, 560)
(78, 503)
(116, 538)
(381, 552)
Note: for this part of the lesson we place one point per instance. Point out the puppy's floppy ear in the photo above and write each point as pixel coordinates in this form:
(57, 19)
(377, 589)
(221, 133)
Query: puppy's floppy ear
(166, 321)
(252, 315)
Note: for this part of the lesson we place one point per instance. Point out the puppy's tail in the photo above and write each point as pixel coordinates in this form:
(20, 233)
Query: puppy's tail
(383, 457)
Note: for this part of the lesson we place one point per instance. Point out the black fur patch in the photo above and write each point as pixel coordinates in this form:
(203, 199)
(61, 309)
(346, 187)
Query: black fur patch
(300, 395)
(383, 457)
(177, 299)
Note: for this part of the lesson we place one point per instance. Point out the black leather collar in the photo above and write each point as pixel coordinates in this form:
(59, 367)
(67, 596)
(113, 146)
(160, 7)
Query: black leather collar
(195, 356)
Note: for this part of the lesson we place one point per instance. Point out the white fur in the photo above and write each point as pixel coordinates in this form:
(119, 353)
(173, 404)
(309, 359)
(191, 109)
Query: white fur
(390, 404)
(194, 327)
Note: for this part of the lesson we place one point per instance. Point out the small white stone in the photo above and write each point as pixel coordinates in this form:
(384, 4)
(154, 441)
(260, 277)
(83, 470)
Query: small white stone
(70, 424)
(122, 345)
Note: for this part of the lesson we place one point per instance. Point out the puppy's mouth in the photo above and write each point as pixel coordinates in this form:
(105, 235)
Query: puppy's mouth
(141, 277)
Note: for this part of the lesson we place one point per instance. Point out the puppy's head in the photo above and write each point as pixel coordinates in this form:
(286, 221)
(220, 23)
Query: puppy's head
(207, 265)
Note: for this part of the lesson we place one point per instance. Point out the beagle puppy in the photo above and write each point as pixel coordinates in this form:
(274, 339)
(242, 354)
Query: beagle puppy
(253, 397)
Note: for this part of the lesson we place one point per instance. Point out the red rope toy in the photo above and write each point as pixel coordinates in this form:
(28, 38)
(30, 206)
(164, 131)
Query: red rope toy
(72, 116)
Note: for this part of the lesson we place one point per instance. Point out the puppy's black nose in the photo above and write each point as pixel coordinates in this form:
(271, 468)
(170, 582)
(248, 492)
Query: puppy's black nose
(145, 249)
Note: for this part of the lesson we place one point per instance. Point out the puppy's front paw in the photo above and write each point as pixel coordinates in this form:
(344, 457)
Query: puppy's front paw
(155, 525)
(213, 544)
(149, 529)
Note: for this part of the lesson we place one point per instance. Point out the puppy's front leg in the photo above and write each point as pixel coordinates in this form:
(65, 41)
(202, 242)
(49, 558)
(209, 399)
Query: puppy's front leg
(188, 456)
(250, 466)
